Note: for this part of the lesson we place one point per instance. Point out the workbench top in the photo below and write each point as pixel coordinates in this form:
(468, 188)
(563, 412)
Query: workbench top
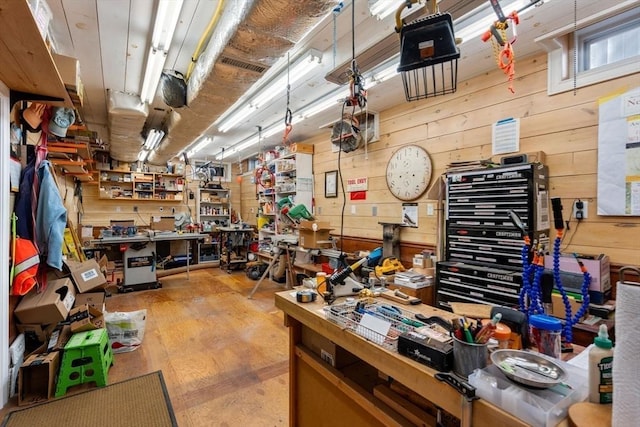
(418, 377)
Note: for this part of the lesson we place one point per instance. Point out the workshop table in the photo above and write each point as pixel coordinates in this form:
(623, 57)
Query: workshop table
(149, 278)
(321, 394)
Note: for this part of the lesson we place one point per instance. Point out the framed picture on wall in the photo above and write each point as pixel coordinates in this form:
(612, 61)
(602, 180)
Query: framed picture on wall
(331, 184)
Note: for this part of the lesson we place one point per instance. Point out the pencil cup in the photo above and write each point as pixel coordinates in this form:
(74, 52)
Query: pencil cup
(468, 357)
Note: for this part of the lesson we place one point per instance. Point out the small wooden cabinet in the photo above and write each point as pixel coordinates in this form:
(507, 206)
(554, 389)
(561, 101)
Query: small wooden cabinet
(214, 208)
(126, 185)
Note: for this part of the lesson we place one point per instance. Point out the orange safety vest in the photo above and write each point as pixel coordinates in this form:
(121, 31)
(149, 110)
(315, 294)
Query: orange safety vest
(25, 264)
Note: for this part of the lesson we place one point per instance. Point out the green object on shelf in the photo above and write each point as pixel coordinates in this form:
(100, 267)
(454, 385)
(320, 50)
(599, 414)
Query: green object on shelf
(285, 202)
(300, 211)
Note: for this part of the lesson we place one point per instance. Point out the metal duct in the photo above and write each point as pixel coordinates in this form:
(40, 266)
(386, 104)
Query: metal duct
(126, 114)
(251, 36)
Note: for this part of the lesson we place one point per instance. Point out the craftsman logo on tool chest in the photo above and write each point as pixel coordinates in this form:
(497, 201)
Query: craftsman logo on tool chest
(507, 277)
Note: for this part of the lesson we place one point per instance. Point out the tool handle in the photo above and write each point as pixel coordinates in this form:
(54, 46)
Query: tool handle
(462, 386)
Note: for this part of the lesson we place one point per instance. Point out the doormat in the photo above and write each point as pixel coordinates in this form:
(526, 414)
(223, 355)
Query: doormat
(138, 402)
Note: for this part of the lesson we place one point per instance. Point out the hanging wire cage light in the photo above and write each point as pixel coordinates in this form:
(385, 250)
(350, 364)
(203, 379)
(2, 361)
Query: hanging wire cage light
(428, 55)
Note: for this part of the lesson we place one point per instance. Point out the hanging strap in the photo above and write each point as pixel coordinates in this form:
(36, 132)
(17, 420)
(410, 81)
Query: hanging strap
(14, 235)
(288, 115)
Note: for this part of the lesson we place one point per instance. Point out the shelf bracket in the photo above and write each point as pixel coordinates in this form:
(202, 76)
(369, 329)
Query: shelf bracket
(17, 96)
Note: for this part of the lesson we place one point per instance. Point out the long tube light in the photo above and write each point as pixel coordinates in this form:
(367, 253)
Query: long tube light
(298, 71)
(383, 8)
(166, 21)
(155, 64)
(164, 27)
(153, 139)
(206, 140)
(278, 86)
(235, 118)
(142, 155)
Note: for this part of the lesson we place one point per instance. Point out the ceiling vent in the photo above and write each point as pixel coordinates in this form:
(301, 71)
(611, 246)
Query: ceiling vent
(239, 63)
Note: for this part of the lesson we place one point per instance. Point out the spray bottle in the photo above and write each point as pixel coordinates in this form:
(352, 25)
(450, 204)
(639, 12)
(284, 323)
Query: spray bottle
(600, 368)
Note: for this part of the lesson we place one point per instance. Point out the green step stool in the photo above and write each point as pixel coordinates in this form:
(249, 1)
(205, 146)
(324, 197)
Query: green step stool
(87, 358)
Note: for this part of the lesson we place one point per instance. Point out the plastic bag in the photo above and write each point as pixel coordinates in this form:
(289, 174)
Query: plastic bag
(126, 329)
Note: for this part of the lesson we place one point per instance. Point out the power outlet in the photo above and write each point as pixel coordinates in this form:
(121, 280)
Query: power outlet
(578, 213)
(135, 209)
(430, 209)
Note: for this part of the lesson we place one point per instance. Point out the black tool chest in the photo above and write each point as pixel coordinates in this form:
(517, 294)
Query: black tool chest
(483, 247)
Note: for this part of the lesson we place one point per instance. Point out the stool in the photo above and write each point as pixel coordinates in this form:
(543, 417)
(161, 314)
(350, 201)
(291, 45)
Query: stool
(87, 358)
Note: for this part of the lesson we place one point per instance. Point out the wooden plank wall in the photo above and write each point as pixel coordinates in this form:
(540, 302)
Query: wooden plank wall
(453, 128)
(458, 127)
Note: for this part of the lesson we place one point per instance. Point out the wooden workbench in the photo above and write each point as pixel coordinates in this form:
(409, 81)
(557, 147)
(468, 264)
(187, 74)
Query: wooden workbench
(321, 395)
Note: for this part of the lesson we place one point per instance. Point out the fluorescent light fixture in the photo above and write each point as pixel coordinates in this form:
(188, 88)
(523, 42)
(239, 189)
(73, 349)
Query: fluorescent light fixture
(235, 118)
(153, 139)
(274, 129)
(142, 155)
(241, 146)
(276, 87)
(384, 74)
(200, 145)
(165, 25)
(332, 100)
(155, 64)
(279, 86)
(479, 20)
(383, 8)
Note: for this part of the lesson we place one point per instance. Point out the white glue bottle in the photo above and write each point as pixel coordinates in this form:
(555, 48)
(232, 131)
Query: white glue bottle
(600, 368)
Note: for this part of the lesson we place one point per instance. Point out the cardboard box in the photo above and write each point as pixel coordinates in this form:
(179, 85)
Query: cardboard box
(35, 333)
(558, 306)
(327, 350)
(163, 223)
(50, 306)
(302, 148)
(37, 378)
(92, 299)
(598, 267)
(85, 318)
(86, 275)
(59, 338)
(425, 293)
(310, 239)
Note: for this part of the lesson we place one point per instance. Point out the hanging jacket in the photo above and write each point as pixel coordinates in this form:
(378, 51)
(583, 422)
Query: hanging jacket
(26, 217)
(51, 217)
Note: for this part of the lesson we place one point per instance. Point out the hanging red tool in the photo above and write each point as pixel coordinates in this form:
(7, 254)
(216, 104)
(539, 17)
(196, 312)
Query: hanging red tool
(502, 46)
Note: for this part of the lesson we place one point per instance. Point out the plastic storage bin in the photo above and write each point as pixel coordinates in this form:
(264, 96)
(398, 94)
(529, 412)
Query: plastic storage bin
(538, 407)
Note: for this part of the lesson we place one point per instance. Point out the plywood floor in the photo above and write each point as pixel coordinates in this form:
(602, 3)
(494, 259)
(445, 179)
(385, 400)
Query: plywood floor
(224, 357)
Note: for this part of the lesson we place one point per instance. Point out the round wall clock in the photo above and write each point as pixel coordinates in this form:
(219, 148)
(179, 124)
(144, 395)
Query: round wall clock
(409, 172)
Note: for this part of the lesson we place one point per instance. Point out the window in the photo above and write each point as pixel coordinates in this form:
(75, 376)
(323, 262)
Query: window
(209, 171)
(610, 41)
(598, 48)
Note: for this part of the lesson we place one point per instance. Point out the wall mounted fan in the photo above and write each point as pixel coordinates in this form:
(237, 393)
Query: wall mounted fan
(346, 134)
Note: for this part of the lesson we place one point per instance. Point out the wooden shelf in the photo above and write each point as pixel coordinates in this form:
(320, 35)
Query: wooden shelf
(128, 182)
(26, 65)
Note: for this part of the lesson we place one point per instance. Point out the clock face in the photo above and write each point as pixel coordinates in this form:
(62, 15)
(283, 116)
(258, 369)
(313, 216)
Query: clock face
(409, 172)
